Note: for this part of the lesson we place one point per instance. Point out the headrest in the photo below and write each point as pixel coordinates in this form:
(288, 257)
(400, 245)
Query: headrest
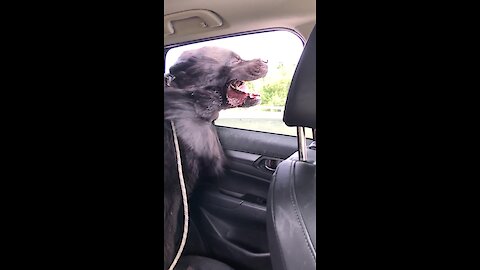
(301, 100)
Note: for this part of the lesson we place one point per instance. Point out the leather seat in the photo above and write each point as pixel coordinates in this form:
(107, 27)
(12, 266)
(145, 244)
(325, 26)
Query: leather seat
(200, 263)
(291, 204)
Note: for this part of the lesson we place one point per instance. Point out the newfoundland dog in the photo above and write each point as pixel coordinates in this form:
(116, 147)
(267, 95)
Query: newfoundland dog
(200, 84)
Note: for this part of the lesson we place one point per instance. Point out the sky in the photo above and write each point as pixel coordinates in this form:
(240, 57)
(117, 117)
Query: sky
(276, 47)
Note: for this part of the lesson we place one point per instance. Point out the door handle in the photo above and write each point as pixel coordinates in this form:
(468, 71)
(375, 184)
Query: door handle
(271, 164)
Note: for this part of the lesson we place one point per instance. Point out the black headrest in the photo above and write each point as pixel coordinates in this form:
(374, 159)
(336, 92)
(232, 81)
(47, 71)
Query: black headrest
(301, 100)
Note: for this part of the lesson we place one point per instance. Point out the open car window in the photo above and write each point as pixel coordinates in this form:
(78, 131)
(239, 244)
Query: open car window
(282, 49)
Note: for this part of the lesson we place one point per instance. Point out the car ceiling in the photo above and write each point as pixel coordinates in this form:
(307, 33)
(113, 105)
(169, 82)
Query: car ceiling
(239, 16)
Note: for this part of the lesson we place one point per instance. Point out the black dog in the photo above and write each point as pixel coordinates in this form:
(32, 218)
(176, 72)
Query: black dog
(200, 84)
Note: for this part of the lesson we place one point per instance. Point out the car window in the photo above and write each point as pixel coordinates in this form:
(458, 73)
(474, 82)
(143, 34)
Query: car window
(282, 49)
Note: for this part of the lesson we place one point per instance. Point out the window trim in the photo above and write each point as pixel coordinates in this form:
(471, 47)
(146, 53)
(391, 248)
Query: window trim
(261, 131)
(259, 31)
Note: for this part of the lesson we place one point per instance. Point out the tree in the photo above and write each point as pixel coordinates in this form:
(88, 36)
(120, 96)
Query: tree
(274, 87)
(275, 93)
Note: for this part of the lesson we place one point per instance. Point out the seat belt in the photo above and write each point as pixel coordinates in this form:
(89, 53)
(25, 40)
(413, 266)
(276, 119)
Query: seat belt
(184, 197)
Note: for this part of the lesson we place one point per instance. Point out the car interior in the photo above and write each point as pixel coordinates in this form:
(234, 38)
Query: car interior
(262, 213)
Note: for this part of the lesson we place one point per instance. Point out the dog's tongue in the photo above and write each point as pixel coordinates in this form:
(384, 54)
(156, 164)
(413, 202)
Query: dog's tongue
(236, 97)
(237, 93)
(244, 89)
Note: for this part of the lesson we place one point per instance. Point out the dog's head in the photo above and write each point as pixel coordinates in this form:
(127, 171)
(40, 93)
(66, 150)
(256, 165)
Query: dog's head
(220, 70)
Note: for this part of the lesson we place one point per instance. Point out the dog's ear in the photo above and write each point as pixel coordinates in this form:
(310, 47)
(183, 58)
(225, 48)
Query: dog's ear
(207, 103)
(184, 72)
(208, 111)
(182, 66)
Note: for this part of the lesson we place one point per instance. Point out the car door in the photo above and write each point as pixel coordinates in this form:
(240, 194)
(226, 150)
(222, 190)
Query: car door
(230, 213)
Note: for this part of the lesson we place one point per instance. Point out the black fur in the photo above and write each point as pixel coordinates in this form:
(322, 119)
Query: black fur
(192, 101)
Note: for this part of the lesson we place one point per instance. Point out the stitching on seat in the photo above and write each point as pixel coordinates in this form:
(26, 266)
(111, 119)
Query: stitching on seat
(272, 205)
(292, 200)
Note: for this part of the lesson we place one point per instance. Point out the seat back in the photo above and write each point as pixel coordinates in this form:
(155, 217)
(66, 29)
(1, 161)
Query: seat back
(291, 204)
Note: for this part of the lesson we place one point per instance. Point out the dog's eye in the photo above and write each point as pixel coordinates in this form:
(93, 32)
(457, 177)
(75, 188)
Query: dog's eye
(237, 59)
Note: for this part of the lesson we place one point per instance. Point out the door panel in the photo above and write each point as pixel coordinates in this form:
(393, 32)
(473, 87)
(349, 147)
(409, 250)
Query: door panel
(230, 212)
(256, 142)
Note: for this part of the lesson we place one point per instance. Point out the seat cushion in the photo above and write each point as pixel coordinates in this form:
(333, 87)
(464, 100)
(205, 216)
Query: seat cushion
(200, 263)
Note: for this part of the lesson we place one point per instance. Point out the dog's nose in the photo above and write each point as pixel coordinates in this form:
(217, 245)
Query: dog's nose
(264, 60)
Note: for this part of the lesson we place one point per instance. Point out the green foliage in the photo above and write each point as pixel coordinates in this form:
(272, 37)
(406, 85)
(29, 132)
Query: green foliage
(274, 87)
(275, 93)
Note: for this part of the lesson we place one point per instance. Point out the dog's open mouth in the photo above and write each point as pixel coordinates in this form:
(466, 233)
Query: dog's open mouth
(238, 95)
